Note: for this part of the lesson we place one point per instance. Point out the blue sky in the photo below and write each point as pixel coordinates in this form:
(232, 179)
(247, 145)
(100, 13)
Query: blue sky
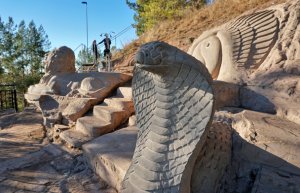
(65, 20)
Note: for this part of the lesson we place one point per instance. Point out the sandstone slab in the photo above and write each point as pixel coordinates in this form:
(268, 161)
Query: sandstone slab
(48, 153)
(124, 92)
(110, 155)
(93, 126)
(20, 134)
(227, 94)
(275, 181)
(270, 133)
(74, 138)
(120, 103)
(264, 155)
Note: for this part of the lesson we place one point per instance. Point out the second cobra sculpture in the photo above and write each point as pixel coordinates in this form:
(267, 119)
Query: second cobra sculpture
(174, 105)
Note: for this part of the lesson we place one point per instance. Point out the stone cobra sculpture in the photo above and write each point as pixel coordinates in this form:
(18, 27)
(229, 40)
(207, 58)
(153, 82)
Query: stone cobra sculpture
(174, 105)
(233, 50)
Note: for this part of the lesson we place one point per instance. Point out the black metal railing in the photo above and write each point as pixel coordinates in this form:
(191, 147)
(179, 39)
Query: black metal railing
(8, 97)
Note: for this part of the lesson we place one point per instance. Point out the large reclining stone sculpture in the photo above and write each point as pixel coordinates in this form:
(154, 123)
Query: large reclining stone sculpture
(174, 105)
(63, 95)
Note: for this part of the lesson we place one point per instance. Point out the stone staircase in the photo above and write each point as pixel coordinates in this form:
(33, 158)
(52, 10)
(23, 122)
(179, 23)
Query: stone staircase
(105, 118)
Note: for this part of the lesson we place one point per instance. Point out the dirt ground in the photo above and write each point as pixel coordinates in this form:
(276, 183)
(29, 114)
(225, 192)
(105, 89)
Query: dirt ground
(29, 162)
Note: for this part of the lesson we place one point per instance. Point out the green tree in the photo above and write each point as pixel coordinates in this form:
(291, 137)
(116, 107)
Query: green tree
(84, 56)
(22, 49)
(22, 60)
(7, 46)
(149, 13)
(37, 45)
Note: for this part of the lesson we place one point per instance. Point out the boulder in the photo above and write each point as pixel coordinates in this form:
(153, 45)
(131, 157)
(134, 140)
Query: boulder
(264, 155)
(279, 137)
(60, 60)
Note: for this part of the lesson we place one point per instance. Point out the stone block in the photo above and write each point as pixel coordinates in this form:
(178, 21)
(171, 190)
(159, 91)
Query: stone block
(74, 138)
(132, 120)
(227, 94)
(120, 103)
(92, 126)
(110, 114)
(110, 155)
(124, 92)
(275, 136)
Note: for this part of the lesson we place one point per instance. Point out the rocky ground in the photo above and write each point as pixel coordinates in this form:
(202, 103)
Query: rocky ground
(29, 162)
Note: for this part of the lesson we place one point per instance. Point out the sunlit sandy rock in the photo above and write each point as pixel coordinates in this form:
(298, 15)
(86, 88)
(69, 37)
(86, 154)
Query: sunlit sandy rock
(264, 155)
(60, 60)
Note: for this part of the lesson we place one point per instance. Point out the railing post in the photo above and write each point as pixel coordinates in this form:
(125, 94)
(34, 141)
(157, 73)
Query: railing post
(15, 100)
(8, 97)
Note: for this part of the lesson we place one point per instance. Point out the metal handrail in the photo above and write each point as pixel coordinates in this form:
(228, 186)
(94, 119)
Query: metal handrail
(8, 96)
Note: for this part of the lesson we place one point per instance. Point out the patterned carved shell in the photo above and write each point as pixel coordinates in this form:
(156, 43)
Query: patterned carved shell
(253, 37)
(241, 44)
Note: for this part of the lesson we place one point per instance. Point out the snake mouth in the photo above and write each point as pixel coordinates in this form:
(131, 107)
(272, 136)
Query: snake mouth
(147, 66)
(157, 69)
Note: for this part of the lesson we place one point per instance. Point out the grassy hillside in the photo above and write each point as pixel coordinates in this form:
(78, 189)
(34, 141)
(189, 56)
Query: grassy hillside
(181, 32)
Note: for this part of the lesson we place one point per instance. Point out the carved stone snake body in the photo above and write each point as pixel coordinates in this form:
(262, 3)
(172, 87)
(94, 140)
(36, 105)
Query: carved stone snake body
(174, 104)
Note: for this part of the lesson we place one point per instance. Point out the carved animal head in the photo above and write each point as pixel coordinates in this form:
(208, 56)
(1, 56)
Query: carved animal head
(154, 56)
(239, 47)
(165, 60)
(209, 52)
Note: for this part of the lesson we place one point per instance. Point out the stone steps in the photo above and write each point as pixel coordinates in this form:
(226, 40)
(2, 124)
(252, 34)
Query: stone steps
(93, 126)
(120, 103)
(74, 138)
(110, 155)
(125, 92)
(106, 117)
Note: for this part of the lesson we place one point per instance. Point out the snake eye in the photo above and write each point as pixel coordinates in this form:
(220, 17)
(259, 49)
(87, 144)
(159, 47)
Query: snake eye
(207, 45)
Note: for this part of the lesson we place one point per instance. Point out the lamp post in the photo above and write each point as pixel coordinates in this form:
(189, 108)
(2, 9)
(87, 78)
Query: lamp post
(87, 29)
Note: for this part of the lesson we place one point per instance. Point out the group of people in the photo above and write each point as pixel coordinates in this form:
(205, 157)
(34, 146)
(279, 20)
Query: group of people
(107, 43)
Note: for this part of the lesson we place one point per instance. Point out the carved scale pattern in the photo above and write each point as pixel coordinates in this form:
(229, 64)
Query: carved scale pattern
(172, 115)
(253, 37)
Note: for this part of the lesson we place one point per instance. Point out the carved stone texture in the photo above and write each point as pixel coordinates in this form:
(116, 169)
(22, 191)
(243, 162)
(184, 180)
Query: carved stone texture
(64, 95)
(233, 49)
(174, 104)
(273, 134)
(60, 60)
(214, 158)
(260, 51)
(265, 154)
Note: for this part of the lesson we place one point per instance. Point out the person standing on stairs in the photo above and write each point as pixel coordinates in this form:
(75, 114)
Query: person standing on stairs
(95, 51)
(107, 43)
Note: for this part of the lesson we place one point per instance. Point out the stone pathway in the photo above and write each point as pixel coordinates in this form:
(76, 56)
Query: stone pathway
(30, 163)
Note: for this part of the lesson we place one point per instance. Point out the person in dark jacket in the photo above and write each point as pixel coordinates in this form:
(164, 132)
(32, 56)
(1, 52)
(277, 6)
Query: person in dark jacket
(107, 43)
